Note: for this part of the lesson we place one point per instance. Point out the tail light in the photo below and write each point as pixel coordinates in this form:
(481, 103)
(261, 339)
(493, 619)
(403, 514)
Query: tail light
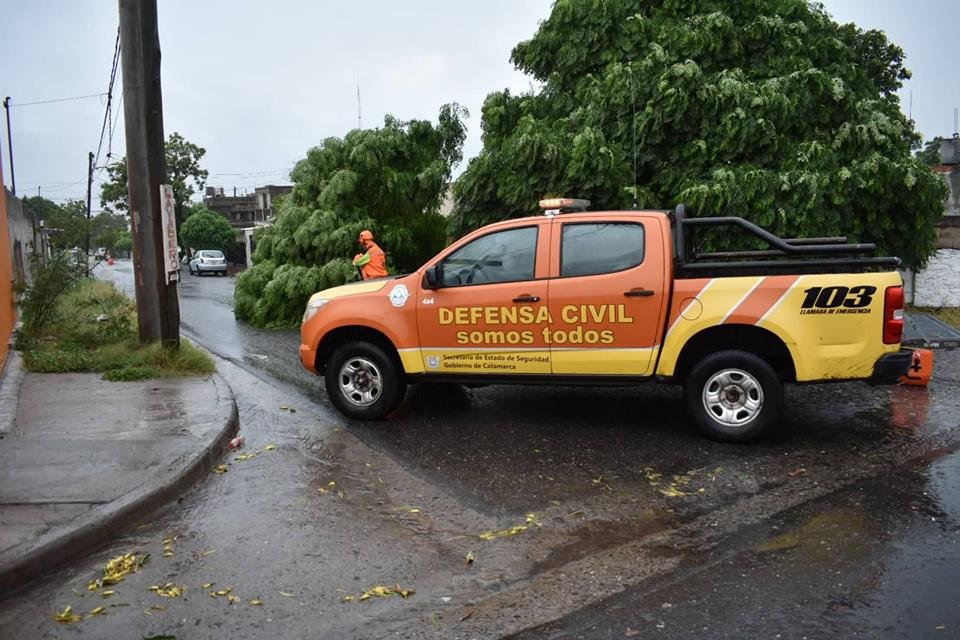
(893, 315)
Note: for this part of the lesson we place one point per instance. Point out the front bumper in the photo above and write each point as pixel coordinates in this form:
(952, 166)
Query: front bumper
(889, 368)
(308, 358)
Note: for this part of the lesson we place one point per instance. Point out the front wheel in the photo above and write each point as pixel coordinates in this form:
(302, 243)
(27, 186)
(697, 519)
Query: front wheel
(363, 382)
(733, 396)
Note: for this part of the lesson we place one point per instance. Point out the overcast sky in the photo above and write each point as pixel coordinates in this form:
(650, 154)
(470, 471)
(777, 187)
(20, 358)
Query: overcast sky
(257, 83)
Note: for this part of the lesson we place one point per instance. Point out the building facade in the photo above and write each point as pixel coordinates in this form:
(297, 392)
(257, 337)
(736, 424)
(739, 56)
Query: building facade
(245, 210)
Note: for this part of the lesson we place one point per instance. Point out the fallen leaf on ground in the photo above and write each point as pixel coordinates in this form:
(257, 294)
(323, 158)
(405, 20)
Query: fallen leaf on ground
(207, 585)
(382, 591)
(245, 456)
(168, 590)
(408, 509)
(67, 616)
(221, 592)
(96, 611)
(155, 607)
(270, 447)
(232, 598)
(468, 559)
(630, 633)
(119, 568)
(346, 599)
(799, 471)
(207, 552)
(75, 592)
(673, 492)
(466, 616)
(107, 593)
(285, 594)
(220, 468)
(940, 627)
(256, 602)
(504, 533)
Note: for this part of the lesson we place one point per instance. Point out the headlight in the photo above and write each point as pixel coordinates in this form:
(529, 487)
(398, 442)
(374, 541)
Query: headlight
(313, 307)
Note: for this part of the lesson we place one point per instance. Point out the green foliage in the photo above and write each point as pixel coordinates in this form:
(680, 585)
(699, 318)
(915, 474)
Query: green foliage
(930, 153)
(205, 229)
(124, 242)
(183, 172)
(68, 224)
(390, 180)
(766, 109)
(51, 279)
(93, 329)
(109, 230)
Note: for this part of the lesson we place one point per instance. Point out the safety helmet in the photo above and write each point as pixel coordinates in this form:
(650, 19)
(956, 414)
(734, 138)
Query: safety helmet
(366, 234)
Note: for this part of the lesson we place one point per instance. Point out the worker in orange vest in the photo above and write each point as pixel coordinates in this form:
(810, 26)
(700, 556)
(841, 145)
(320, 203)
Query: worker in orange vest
(373, 261)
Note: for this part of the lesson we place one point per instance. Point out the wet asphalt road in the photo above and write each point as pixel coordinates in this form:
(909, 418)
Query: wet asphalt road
(845, 523)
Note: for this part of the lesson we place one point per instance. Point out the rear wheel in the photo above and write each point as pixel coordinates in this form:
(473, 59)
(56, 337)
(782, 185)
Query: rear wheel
(733, 396)
(363, 382)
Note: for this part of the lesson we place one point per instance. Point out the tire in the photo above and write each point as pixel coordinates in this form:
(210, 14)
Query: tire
(751, 404)
(351, 379)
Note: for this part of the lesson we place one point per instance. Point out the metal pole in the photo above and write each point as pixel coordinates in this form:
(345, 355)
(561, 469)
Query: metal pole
(13, 177)
(158, 309)
(86, 244)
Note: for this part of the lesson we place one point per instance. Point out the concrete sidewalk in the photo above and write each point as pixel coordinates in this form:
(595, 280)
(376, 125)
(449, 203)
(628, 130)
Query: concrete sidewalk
(84, 457)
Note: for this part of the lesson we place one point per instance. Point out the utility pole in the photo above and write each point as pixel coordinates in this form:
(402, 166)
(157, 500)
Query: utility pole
(13, 178)
(158, 309)
(86, 254)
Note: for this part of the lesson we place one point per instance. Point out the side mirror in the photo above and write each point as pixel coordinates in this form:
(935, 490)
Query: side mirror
(433, 276)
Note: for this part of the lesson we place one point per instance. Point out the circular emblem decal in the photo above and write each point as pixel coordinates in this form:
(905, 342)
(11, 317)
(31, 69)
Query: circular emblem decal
(399, 295)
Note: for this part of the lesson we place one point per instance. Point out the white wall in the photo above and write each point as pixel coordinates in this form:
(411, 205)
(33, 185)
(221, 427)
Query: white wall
(939, 284)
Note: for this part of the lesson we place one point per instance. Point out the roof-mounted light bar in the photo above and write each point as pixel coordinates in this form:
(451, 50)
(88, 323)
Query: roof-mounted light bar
(553, 206)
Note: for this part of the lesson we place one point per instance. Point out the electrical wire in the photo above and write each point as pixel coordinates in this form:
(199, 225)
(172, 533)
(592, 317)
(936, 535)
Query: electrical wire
(30, 104)
(108, 112)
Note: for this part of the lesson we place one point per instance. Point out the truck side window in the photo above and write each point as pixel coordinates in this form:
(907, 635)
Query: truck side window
(504, 256)
(593, 248)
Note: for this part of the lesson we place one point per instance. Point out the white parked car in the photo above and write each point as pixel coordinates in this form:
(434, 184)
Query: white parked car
(208, 261)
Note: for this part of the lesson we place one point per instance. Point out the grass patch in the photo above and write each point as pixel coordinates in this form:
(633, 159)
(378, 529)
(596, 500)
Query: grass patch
(93, 328)
(950, 315)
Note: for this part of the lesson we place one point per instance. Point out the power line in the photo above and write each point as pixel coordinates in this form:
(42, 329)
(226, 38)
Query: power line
(29, 104)
(115, 123)
(108, 112)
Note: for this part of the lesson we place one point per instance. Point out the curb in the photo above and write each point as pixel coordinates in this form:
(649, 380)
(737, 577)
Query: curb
(10, 382)
(60, 545)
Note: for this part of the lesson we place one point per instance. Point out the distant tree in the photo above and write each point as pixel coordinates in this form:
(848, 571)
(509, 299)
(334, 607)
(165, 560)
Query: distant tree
(41, 207)
(207, 230)
(765, 109)
(183, 172)
(107, 229)
(390, 180)
(124, 242)
(67, 225)
(930, 154)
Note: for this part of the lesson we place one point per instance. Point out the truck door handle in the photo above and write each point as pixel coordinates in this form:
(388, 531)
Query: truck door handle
(527, 298)
(638, 293)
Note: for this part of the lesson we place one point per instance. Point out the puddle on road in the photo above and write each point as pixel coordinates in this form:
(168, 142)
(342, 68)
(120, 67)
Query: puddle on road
(599, 535)
(944, 484)
(826, 536)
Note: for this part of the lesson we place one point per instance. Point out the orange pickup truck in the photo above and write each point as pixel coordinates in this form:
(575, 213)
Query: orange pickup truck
(616, 297)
